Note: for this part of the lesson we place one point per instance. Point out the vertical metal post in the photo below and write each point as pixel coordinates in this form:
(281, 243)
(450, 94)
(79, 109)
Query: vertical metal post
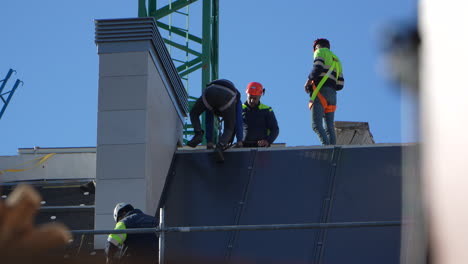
(161, 236)
(215, 41)
(142, 8)
(151, 7)
(206, 42)
(206, 51)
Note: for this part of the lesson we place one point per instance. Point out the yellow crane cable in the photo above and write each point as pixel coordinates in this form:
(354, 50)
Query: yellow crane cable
(40, 160)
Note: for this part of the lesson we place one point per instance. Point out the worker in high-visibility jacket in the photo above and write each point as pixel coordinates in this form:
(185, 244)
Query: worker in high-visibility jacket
(260, 125)
(325, 79)
(132, 248)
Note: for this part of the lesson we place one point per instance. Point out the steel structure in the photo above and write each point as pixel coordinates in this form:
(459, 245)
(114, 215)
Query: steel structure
(186, 229)
(162, 229)
(189, 52)
(6, 96)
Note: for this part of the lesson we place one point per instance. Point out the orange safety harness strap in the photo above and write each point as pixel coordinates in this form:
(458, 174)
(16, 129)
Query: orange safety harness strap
(327, 108)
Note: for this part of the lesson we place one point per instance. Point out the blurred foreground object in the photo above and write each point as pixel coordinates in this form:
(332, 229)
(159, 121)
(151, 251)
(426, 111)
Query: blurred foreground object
(20, 240)
(403, 55)
(444, 163)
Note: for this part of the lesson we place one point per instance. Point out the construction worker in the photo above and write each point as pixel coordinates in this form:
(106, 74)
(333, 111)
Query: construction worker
(323, 81)
(260, 125)
(222, 99)
(131, 248)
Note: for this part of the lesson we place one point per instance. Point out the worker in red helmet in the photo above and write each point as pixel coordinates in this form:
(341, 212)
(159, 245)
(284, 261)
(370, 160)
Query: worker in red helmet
(325, 79)
(260, 125)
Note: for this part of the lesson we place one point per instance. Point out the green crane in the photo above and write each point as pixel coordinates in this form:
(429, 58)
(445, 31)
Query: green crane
(189, 52)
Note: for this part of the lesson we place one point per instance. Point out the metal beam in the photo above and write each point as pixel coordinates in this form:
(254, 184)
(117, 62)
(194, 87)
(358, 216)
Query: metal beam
(168, 9)
(186, 229)
(215, 40)
(151, 6)
(10, 94)
(187, 72)
(179, 32)
(142, 8)
(4, 81)
(66, 208)
(182, 47)
(188, 64)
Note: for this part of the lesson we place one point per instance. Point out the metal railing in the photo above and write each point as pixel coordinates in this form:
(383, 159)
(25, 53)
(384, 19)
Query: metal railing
(66, 208)
(162, 229)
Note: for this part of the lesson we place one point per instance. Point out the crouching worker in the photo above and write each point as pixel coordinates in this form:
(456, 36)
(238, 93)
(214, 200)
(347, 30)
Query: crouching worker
(132, 248)
(220, 98)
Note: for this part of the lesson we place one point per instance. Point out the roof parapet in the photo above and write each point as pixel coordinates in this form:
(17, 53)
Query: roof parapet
(353, 133)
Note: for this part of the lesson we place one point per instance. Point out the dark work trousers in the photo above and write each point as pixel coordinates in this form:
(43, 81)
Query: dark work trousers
(216, 99)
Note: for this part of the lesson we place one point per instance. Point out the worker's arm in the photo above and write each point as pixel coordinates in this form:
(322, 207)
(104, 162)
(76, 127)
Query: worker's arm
(244, 122)
(239, 122)
(114, 243)
(340, 78)
(209, 123)
(308, 86)
(112, 253)
(272, 125)
(319, 64)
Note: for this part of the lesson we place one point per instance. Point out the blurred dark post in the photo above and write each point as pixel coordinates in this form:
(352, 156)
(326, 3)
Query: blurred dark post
(402, 50)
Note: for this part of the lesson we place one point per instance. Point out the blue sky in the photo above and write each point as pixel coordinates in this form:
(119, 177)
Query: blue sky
(51, 46)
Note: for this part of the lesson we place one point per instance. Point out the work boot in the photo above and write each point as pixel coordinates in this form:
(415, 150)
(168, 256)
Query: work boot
(197, 139)
(219, 156)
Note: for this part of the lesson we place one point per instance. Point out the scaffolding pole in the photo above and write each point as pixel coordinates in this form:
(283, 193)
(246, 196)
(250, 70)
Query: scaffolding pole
(240, 228)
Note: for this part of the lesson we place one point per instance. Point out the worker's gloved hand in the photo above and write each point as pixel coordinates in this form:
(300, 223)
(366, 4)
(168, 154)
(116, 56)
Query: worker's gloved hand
(263, 143)
(209, 145)
(219, 156)
(239, 144)
(308, 87)
(221, 146)
(197, 139)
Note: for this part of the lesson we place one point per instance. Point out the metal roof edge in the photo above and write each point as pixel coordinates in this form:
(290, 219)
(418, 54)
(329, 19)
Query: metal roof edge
(201, 149)
(60, 150)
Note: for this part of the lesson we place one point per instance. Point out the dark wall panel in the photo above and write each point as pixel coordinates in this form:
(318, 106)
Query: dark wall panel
(287, 187)
(367, 188)
(201, 193)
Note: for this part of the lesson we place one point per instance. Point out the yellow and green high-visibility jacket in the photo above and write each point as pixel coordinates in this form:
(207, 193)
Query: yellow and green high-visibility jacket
(134, 244)
(323, 61)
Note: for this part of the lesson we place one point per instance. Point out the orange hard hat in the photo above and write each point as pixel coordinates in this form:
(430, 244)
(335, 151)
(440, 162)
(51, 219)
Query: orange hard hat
(255, 88)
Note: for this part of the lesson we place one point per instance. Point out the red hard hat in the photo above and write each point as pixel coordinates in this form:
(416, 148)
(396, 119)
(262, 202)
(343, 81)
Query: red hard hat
(255, 88)
(322, 42)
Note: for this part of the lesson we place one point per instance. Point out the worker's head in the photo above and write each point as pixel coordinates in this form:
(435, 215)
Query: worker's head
(254, 91)
(121, 209)
(321, 43)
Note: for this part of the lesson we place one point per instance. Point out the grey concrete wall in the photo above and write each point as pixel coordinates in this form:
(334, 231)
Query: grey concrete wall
(138, 131)
(59, 166)
(164, 131)
(141, 108)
